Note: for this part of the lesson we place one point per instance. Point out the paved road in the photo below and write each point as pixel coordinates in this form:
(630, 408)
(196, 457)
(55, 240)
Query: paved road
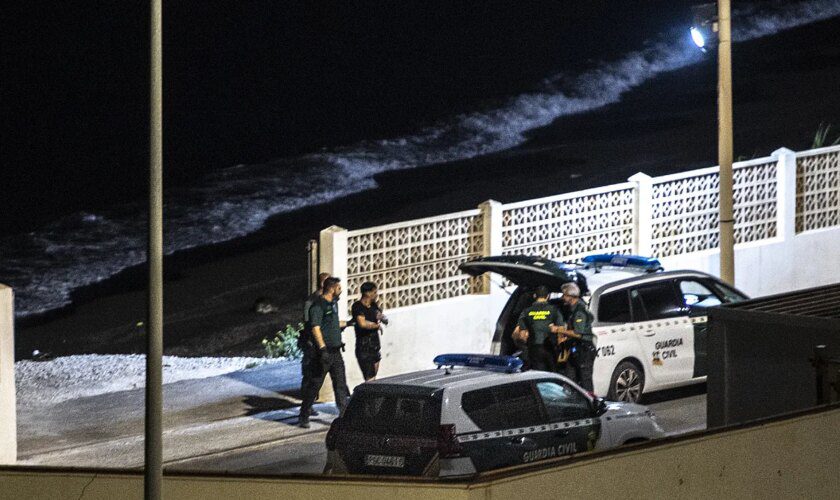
(240, 422)
(679, 411)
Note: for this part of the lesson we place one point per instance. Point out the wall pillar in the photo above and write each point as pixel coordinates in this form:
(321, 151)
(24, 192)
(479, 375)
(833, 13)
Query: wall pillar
(643, 210)
(491, 214)
(332, 252)
(8, 417)
(785, 193)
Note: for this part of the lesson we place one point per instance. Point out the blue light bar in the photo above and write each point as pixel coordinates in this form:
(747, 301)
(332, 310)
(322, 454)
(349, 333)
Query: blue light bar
(620, 260)
(508, 364)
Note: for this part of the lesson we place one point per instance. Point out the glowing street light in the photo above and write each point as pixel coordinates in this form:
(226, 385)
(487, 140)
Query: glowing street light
(698, 38)
(713, 21)
(704, 26)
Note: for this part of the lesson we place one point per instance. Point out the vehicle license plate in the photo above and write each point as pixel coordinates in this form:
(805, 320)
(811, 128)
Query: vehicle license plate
(384, 461)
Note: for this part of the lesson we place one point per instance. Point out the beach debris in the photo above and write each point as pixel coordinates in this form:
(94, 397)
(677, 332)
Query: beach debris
(41, 356)
(263, 305)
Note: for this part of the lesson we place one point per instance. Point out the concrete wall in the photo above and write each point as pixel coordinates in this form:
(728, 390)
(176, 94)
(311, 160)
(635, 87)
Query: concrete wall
(8, 428)
(806, 260)
(416, 334)
(793, 458)
(466, 324)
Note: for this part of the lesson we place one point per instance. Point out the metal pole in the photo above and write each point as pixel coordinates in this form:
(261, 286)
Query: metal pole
(727, 218)
(312, 265)
(154, 324)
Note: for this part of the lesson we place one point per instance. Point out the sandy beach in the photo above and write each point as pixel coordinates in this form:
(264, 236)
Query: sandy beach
(666, 125)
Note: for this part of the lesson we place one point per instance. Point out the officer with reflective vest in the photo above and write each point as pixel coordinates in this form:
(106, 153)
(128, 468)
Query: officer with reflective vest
(578, 333)
(535, 328)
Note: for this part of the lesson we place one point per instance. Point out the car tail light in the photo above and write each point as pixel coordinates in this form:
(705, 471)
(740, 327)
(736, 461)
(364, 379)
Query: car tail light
(447, 443)
(332, 434)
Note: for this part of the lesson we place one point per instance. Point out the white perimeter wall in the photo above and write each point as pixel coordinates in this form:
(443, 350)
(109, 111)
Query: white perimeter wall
(803, 261)
(416, 334)
(8, 429)
(466, 324)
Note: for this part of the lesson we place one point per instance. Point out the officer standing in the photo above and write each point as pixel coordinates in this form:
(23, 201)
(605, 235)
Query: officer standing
(535, 327)
(306, 342)
(326, 335)
(578, 331)
(368, 318)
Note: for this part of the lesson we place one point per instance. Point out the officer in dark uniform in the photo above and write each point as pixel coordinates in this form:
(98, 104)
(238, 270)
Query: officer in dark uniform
(535, 327)
(326, 335)
(578, 332)
(305, 341)
(368, 318)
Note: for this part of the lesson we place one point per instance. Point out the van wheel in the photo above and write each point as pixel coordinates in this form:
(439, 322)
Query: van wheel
(627, 383)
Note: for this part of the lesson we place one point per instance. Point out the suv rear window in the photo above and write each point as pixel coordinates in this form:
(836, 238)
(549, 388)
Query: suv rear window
(393, 410)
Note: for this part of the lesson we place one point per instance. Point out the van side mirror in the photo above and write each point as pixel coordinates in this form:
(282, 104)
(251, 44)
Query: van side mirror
(599, 405)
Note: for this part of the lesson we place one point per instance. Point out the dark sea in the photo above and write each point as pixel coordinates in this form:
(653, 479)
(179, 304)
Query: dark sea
(271, 107)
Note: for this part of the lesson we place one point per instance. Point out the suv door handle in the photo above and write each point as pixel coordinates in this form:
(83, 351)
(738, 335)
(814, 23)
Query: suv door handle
(649, 333)
(562, 433)
(524, 442)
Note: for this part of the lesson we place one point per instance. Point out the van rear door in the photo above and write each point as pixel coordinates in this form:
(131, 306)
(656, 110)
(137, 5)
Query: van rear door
(526, 270)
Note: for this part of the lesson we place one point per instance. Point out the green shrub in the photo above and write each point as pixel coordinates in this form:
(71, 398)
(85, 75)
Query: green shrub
(821, 138)
(284, 344)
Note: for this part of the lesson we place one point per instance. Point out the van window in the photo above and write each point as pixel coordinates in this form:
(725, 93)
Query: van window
(614, 307)
(697, 295)
(728, 294)
(657, 301)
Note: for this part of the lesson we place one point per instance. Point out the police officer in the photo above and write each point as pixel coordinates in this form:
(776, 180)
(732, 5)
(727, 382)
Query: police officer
(306, 343)
(535, 327)
(368, 318)
(326, 335)
(578, 332)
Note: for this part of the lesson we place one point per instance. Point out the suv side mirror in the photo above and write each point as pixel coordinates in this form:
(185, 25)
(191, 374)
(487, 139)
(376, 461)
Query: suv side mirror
(599, 406)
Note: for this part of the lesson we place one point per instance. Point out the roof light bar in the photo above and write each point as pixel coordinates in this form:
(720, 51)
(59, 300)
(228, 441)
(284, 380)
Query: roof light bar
(620, 260)
(507, 364)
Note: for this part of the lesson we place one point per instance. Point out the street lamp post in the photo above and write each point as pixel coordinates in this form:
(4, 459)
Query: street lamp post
(153, 470)
(727, 217)
(706, 23)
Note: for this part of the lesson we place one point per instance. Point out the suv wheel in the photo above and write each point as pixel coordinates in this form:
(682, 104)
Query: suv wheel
(627, 383)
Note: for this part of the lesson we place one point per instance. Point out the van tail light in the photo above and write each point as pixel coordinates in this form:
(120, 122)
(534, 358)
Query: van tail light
(447, 442)
(332, 434)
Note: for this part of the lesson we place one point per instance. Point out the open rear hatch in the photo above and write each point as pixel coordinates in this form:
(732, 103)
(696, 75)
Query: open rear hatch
(526, 270)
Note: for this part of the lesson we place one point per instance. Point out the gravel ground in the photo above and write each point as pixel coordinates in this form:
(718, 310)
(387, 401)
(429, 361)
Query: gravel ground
(71, 377)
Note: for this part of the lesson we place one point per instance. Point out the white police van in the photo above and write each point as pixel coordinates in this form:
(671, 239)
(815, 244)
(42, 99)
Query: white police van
(475, 413)
(650, 325)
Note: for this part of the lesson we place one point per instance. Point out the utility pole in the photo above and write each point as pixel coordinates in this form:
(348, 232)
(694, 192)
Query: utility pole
(727, 217)
(153, 475)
